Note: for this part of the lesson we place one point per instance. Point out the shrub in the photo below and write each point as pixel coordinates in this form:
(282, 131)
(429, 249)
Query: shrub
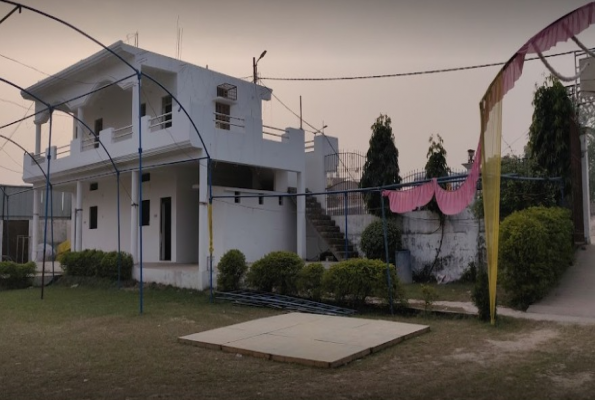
(481, 295)
(277, 271)
(559, 229)
(527, 273)
(310, 281)
(108, 266)
(430, 296)
(62, 248)
(16, 276)
(470, 274)
(353, 281)
(372, 242)
(97, 263)
(232, 268)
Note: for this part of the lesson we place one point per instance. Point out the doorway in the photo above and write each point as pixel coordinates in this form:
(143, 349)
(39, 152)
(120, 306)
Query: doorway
(165, 230)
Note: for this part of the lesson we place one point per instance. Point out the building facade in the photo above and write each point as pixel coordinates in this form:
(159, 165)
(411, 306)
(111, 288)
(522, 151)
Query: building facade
(104, 97)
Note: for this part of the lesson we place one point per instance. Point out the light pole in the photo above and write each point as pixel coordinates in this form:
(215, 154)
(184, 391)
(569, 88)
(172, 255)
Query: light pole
(255, 64)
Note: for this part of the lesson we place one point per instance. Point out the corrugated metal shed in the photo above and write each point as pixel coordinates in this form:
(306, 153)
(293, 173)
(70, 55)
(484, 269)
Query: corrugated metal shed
(16, 202)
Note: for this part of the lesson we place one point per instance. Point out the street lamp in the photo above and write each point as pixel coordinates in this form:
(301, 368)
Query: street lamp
(254, 65)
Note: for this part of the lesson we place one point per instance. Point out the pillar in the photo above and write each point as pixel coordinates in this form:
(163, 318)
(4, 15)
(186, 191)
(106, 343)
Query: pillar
(135, 111)
(37, 138)
(203, 227)
(80, 128)
(79, 216)
(301, 216)
(585, 179)
(134, 217)
(35, 227)
(72, 221)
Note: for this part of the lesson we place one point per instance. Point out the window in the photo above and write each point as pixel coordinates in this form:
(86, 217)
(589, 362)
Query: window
(236, 199)
(280, 200)
(98, 128)
(146, 217)
(166, 111)
(222, 113)
(93, 217)
(146, 177)
(94, 186)
(260, 199)
(143, 109)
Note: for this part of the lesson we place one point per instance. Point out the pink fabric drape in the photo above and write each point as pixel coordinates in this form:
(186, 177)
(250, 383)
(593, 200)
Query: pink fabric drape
(449, 202)
(454, 202)
(402, 201)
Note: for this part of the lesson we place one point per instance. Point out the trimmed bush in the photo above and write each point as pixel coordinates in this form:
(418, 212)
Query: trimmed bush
(97, 263)
(62, 248)
(310, 281)
(108, 266)
(16, 276)
(526, 270)
(232, 268)
(353, 281)
(558, 224)
(277, 271)
(372, 242)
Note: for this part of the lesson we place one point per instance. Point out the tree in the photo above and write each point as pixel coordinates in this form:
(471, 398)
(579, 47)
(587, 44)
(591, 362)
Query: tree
(436, 167)
(517, 195)
(549, 134)
(382, 164)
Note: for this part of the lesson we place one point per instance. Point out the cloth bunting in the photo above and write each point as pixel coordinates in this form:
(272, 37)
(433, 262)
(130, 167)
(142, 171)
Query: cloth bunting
(403, 201)
(454, 202)
(449, 202)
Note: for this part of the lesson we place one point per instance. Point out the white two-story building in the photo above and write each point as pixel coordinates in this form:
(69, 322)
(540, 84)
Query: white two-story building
(246, 159)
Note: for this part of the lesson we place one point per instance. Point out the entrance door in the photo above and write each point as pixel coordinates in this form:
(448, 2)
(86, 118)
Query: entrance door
(165, 230)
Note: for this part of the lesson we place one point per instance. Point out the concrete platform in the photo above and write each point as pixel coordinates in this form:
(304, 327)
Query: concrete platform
(315, 340)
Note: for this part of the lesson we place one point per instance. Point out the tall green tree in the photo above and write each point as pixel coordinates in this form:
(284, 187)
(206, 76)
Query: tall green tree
(436, 166)
(382, 164)
(549, 134)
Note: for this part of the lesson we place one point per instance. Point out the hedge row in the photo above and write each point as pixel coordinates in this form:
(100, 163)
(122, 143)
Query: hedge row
(535, 249)
(97, 263)
(16, 276)
(349, 282)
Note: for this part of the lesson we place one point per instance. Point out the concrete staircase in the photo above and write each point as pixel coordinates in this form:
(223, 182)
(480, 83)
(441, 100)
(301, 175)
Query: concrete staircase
(328, 230)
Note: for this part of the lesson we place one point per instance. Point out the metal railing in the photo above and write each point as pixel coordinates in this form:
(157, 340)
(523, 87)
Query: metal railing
(309, 145)
(277, 137)
(122, 133)
(63, 151)
(89, 143)
(224, 121)
(162, 121)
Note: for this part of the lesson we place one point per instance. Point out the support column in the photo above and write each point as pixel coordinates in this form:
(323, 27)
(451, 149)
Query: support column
(585, 179)
(37, 138)
(73, 218)
(79, 216)
(134, 217)
(134, 115)
(203, 227)
(301, 216)
(79, 126)
(35, 227)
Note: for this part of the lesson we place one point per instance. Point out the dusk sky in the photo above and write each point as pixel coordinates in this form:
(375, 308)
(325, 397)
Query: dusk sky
(308, 38)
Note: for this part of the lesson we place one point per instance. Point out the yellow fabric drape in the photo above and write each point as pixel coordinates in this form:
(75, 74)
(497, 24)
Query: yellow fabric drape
(491, 139)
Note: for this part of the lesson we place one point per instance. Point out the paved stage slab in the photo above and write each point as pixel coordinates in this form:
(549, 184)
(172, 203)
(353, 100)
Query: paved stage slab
(316, 340)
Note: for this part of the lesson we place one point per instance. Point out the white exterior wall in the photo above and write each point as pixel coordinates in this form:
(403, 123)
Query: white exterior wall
(254, 229)
(105, 237)
(463, 235)
(113, 105)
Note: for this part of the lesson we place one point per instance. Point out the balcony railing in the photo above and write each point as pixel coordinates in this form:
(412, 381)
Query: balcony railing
(277, 137)
(122, 133)
(40, 158)
(88, 143)
(161, 122)
(224, 121)
(63, 151)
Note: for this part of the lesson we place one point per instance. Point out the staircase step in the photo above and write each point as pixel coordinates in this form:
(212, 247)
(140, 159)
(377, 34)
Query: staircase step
(328, 228)
(333, 235)
(320, 222)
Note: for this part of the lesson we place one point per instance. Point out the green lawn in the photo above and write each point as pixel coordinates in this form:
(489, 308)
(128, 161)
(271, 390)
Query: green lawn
(445, 292)
(91, 343)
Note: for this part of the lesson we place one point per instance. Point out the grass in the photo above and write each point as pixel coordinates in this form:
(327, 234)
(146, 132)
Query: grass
(91, 343)
(445, 292)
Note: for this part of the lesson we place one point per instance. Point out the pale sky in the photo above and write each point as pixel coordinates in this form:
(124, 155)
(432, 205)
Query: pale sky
(309, 38)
